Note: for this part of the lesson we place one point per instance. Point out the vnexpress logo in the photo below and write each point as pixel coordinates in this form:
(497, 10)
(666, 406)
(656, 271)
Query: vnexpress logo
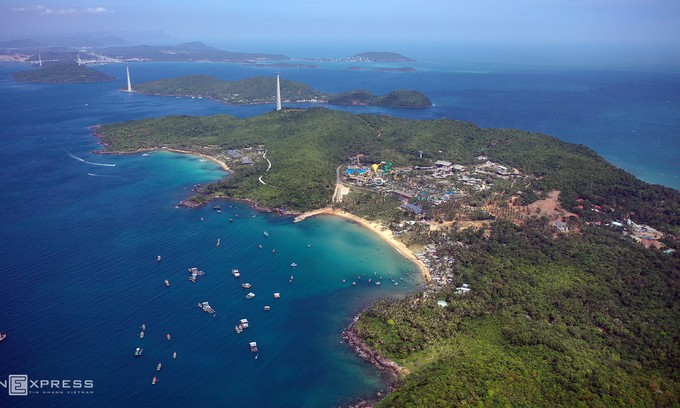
(17, 384)
(20, 385)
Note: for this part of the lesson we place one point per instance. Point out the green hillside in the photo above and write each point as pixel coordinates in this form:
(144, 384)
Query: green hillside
(62, 73)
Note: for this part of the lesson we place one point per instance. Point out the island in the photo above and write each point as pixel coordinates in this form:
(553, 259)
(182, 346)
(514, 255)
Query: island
(552, 274)
(62, 73)
(379, 57)
(260, 90)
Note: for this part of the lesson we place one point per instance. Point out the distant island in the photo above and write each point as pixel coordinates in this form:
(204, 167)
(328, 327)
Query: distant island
(261, 90)
(383, 69)
(379, 57)
(62, 73)
(546, 264)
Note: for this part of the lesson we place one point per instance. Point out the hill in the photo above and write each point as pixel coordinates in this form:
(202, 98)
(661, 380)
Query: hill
(584, 318)
(263, 90)
(193, 51)
(62, 73)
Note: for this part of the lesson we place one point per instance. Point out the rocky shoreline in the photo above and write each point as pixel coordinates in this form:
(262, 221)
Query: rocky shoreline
(392, 369)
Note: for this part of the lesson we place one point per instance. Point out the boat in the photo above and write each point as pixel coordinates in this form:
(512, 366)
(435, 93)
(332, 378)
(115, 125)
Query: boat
(167, 283)
(267, 308)
(291, 278)
(141, 334)
(138, 351)
(246, 285)
(143, 326)
(377, 283)
(154, 380)
(230, 220)
(244, 323)
(158, 367)
(273, 251)
(238, 328)
(158, 258)
(167, 336)
(236, 273)
(250, 295)
(218, 242)
(2, 336)
(277, 295)
(354, 283)
(266, 234)
(217, 207)
(253, 347)
(293, 265)
(145, 154)
(259, 246)
(174, 355)
(206, 307)
(237, 216)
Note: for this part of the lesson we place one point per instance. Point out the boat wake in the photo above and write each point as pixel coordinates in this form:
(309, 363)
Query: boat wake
(80, 159)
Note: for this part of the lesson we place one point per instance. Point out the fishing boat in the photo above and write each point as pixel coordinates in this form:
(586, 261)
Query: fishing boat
(174, 355)
(273, 251)
(236, 273)
(277, 295)
(218, 242)
(244, 323)
(138, 351)
(253, 347)
(230, 220)
(267, 308)
(238, 329)
(154, 380)
(377, 283)
(2, 336)
(259, 246)
(141, 334)
(206, 307)
(250, 295)
(246, 285)
(158, 258)
(143, 326)
(167, 336)
(167, 283)
(158, 367)
(145, 155)
(266, 234)
(293, 265)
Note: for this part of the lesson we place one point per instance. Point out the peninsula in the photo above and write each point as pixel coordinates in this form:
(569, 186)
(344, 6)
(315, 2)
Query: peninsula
(379, 57)
(548, 265)
(62, 73)
(258, 90)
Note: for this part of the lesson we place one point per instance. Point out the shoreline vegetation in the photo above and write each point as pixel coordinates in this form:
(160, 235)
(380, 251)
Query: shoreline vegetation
(575, 314)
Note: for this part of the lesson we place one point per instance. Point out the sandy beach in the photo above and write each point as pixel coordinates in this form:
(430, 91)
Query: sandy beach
(383, 232)
(205, 156)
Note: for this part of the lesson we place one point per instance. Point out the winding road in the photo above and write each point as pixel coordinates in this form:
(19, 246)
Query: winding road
(264, 156)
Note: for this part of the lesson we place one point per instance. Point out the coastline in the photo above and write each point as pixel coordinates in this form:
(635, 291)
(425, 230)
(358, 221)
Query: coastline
(375, 227)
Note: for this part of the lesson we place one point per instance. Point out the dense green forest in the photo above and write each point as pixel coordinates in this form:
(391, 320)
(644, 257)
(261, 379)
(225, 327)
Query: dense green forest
(62, 73)
(582, 320)
(263, 90)
(305, 147)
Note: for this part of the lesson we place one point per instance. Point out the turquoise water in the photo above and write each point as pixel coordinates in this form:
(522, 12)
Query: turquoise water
(81, 232)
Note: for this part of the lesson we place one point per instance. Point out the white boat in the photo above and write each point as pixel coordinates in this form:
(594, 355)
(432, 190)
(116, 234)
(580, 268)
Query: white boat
(266, 234)
(141, 334)
(218, 242)
(293, 265)
(238, 328)
(154, 380)
(138, 351)
(246, 285)
(145, 154)
(267, 308)
(253, 347)
(250, 295)
(277, 295)
(244, 323)
(158, 258)
(167, 283)
(158, 367)
(236, 273)
(174, 355)
(2, 336)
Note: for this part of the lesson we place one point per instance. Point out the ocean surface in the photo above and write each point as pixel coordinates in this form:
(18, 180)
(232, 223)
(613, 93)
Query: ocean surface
(81, 231)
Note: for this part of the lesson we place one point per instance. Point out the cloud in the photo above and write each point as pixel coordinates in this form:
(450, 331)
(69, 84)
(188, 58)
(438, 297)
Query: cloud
(46, 11)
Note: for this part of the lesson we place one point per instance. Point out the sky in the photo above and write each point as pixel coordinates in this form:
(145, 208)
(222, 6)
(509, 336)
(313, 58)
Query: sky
(585, 31)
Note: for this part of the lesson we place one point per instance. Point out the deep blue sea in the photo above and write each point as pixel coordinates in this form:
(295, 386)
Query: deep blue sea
(80, 233)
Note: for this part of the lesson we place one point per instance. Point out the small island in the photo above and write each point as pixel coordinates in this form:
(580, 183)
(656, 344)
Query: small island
(379, 57)
(62, 73)
(261, 90)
